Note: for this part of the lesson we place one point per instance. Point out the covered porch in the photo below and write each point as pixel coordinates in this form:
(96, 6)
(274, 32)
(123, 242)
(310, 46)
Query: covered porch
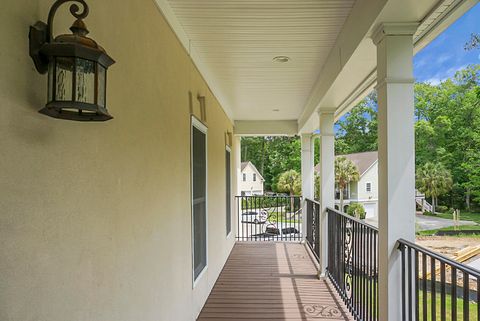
(133, 219)
(272, 281)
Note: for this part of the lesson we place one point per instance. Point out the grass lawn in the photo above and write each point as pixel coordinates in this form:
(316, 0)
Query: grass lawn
(448, 307)
(280, 217)
(451, 228)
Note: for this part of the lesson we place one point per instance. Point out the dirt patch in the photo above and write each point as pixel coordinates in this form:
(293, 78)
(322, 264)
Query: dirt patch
(446, 245)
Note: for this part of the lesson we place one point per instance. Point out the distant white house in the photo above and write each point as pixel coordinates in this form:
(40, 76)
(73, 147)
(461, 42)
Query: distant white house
(250, 180)
(365, 191)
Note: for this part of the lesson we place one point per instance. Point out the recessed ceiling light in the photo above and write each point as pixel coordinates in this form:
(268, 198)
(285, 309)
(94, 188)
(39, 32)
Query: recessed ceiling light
(281, 59)
(276, 109)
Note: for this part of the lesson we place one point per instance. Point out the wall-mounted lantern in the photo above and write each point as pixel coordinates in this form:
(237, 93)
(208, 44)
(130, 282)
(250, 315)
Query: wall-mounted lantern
(76, 65)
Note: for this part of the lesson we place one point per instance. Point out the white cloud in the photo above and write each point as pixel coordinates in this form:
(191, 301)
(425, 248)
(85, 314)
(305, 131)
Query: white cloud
(434, 81)
(443, 58)
(443, 75)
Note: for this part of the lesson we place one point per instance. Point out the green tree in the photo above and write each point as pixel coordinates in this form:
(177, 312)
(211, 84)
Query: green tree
(345, 173)
(272, 156)
(474, 42)
(433, 179)
(290, 182)
(357, 130)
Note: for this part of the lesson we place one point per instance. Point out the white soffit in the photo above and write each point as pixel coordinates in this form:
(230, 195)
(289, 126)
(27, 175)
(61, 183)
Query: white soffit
(233, 42)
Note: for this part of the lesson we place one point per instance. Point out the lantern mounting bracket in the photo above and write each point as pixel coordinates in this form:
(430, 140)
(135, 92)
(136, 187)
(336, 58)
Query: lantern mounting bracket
(41, 33)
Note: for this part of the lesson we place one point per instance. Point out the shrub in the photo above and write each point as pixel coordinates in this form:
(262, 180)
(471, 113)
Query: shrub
(442, 208)
(358, 209)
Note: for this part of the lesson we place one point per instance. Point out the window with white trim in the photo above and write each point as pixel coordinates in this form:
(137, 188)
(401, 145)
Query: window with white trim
(254, 177)
(368, 187)
(199, 196)
(228, 190)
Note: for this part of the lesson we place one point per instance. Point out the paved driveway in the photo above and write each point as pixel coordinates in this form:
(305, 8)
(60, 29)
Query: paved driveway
(432, 223)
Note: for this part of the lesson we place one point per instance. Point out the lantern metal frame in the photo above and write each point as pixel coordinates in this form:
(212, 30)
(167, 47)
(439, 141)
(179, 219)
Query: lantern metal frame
(44, 51)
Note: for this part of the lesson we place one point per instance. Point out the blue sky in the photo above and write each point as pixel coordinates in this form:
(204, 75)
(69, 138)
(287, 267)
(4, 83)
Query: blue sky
(446, 54)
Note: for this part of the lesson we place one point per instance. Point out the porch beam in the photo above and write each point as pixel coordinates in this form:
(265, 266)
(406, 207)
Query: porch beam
(327, 181)
(266, 127)
(396, 157)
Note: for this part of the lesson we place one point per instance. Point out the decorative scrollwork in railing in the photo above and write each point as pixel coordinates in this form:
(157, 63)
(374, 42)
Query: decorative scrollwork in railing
(353, 263)
(347, 255)
(323, 311)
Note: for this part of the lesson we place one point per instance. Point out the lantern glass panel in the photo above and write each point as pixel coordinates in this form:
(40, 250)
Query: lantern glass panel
(63, 78)
(85, 81)
(101, 85)
(50, 81)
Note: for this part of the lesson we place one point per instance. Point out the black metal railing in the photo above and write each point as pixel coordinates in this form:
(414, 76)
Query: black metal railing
(269, 218)
(436, 287)
(312, 224)
(353, 263)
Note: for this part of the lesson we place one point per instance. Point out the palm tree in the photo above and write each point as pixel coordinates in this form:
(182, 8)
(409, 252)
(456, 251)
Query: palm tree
(290, 182)
(345, 173)
(433, 179)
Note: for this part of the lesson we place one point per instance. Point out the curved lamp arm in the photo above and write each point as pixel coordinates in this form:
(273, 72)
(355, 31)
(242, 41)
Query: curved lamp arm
(73, 10)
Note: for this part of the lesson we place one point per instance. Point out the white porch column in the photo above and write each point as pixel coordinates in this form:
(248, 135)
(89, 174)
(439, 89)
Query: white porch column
(237, 152)
(307, 165)
(396, 158)
(327, 181)
(307, 175)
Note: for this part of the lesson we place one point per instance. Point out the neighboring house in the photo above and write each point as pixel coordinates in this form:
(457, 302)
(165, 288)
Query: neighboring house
(250, 180)
(365, 191)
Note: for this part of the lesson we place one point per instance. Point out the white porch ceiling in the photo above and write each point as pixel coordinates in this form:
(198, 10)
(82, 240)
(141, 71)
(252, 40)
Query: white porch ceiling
(236, 40)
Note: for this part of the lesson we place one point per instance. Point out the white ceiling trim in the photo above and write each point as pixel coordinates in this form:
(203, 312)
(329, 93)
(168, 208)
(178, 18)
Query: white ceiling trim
(179, 31)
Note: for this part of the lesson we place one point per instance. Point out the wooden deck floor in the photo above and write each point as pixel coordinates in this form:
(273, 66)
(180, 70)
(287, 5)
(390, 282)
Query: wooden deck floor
(272, 281)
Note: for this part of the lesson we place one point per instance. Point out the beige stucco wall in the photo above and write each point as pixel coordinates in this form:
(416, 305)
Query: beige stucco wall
(95, 218)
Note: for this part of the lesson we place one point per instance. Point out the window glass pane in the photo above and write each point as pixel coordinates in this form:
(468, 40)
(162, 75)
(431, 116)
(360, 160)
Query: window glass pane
(228, 192)
(50, 82)
(101, 86)
(85, 81)
(199, 175)
(63, 78)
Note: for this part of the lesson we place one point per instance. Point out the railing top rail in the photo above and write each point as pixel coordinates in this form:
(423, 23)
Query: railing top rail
(352, 218)
(441, 258)
(313, 201)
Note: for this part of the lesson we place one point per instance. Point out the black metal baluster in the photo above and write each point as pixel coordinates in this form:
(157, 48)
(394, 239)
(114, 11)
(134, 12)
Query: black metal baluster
(370, 273)
(478, 298)
(466, 296)
(417, 286)
(454, 293)
(357, 283)
(402, 249)
(432, 289)
(424, 287)
(410, 281)
(443, 312)
(362, 269)
(375, 289)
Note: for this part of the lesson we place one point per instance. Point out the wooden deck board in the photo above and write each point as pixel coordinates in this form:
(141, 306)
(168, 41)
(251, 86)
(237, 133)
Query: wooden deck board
(272, 281)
